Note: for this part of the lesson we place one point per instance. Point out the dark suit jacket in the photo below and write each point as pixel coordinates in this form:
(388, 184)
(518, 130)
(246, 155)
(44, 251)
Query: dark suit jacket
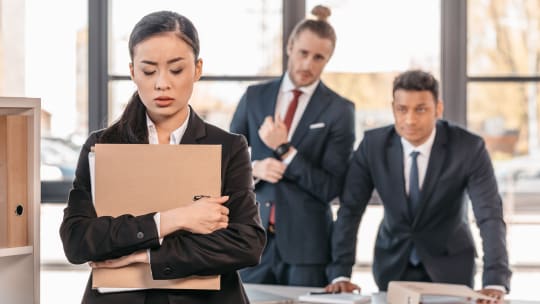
(312, 179)
(440, 231)
(89, 238)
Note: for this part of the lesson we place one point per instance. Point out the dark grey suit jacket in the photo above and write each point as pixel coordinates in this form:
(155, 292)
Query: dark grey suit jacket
(324, 139)
(458, 163)
(87, 237)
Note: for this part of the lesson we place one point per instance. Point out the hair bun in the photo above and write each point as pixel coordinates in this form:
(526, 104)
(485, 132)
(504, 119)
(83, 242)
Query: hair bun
(321, 12)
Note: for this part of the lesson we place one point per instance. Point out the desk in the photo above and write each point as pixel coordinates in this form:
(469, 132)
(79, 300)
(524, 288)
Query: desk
(289, 294)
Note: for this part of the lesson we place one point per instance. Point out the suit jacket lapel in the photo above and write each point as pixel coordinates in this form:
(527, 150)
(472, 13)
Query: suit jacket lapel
(196, 129)
(316, 105)
(267, 102)
(394, 157)
(436, 162)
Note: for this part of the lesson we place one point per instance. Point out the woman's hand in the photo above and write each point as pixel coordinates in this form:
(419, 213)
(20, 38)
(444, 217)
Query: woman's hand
(136, 257)
(202, 216)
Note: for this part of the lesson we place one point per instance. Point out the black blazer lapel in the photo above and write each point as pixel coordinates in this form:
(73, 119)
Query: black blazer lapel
(436, 162)
(315, 107)
(394, 160)
(196, 129)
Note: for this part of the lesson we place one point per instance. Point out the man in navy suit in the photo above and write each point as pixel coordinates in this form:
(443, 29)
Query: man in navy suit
(421, 167)
(301, 135)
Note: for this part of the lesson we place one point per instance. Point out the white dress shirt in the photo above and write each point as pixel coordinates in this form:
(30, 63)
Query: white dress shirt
(285, 97)
(174, 139)
(424, 151)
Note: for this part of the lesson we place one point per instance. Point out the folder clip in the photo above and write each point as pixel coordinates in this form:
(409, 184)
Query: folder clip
(198, 197)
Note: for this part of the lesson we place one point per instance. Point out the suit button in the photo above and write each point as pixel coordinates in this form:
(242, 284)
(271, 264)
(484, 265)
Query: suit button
(267, 204)
(140, 235)
(167, 271)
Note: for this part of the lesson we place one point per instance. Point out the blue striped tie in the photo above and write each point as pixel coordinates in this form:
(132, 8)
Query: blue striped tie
(414, 199)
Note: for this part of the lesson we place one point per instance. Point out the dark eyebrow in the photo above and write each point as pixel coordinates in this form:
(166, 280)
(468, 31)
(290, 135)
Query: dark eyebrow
(168, 61)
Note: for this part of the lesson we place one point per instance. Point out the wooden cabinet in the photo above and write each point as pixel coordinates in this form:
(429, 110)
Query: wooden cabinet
(19, 200)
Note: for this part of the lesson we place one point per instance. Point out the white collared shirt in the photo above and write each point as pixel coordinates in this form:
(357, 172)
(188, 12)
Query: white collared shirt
(285, 97)
(422, 159)
(174, 139)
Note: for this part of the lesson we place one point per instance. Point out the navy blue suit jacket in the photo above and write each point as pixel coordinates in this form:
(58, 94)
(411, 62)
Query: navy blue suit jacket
(315, 175)
(440, 231)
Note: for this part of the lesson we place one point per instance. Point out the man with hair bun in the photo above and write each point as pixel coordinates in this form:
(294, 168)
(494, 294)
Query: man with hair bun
(301, 135)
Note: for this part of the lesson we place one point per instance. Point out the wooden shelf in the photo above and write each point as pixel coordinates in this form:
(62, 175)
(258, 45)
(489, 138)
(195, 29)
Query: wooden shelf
(4, 252)
(19, 200)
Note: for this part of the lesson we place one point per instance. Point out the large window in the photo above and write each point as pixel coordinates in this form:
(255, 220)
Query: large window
(502, 102)
(503, 38)
(45, 55)
(374, 44)
(503, 63)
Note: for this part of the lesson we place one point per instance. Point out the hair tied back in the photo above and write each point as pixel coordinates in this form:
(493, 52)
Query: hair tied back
(321, 12)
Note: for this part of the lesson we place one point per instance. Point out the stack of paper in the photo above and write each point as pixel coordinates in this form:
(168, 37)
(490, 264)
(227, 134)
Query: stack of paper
(335, 298)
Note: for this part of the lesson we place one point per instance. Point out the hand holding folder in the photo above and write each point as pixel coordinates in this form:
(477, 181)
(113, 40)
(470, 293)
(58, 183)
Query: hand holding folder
(140, 179)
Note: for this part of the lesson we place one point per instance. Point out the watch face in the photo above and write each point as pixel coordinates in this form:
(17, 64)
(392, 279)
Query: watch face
(282, 150)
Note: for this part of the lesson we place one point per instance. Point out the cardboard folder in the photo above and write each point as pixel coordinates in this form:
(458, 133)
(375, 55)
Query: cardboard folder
(139, 179)
(406, 292)
(13, 181)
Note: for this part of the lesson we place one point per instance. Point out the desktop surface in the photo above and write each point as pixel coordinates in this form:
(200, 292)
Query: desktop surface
(278, 294)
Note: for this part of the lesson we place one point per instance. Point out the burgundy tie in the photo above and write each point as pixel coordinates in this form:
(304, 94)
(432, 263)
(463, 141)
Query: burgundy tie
(288, 121)
(292, 108)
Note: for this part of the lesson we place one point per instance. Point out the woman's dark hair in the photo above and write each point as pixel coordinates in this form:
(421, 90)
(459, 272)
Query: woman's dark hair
(131, 126)
(416, 80)
(320, 26)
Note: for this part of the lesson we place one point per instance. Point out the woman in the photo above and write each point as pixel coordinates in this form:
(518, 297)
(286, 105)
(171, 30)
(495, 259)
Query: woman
(216, 235)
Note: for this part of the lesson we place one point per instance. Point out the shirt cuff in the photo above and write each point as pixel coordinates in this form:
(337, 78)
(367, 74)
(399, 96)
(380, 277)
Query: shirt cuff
(496, 287)
(290, 157)
(157, 219)
(341, 279)
(255, 179)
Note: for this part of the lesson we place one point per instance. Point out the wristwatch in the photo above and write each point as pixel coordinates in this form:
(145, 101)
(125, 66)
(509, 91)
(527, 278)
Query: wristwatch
(282, 150)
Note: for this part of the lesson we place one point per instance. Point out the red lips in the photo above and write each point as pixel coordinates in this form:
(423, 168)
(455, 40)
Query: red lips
(163, 101)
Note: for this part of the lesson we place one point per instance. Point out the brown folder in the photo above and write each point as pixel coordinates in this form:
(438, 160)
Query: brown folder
(139, 179)
(13, 181)
(405, 292)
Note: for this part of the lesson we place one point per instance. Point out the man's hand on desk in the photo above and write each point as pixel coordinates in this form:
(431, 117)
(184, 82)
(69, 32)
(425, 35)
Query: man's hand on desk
(497, 295)
(136, 257)
(342, 286)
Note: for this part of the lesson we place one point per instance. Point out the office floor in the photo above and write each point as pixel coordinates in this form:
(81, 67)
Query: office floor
(62, 282)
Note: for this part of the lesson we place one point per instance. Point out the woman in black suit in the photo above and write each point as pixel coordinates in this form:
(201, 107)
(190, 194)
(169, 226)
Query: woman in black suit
(216, 235)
